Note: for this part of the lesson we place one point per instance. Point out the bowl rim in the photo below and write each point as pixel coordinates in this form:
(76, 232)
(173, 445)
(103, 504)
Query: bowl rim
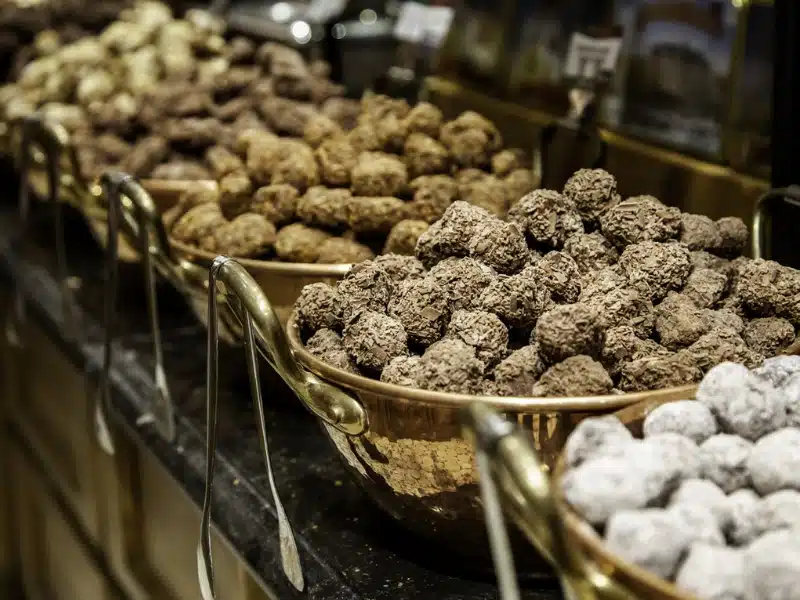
(205, 258)
(359, 383)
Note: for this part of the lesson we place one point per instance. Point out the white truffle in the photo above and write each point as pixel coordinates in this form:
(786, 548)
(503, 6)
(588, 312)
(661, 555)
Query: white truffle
(685, 417)
(774, 462)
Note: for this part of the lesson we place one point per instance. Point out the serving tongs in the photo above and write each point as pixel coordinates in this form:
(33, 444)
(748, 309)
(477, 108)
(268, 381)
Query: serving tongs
(512, 478)
(762, 213)
(130, 207)
(262, 330)
(574, 141)
(52, 140)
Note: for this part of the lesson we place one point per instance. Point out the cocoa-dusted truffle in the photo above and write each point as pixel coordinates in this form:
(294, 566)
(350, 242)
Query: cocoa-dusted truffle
(720, 345)
(198, 224)
(508, 160)
(593, 191)
(400, 268)
(338, 250)
(734, 236)
(451, 235)
(247, 235)
(471, 139)
(180, 170)
(222, 161)
(433, 194)
(660, 266)
(519, 300)
(391, 132)
(298, 170)
(374, 215)
(699, 232)
(768, 336)
(464, 279)
(364, 138)
(425, 156)
(568, 331)
(450, 365)
(500, 245)
(576, 376)
(516, 374)
(299, 243)
(547, 217)
(481, 330)
(623, 306)
(402, 370)
(639, 219)
(336, 158)
(559, 273)
(679, 322)
(327, 346)
(425, 118)
(366, 286)
(323, 207)
(286, 116)
(659, 371)
(488, 192)
(235, 193)
(319, 128)
(403, 237)
(275, 202)
(422, 306)
(519, 183)
(146, 154)
(622, 345)
(318, 307)
(769, 289)
(591, 251)
(602, 282)
(373, 339)
(705, 287)
(705, 260)
(377, 174)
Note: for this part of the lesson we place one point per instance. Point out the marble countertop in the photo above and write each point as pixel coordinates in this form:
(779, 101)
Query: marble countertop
(349, 548)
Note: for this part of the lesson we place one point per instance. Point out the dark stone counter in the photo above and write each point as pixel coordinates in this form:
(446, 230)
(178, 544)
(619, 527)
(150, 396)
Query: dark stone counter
(349, 548)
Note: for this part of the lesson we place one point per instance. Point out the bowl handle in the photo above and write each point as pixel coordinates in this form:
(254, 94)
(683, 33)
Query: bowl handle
(54, 141)
(141, 224)
(261, 328)
(761, 215)
(511, 474)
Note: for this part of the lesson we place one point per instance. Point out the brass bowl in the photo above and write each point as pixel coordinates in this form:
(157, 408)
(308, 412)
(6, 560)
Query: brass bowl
(282, 282)
(412, 460)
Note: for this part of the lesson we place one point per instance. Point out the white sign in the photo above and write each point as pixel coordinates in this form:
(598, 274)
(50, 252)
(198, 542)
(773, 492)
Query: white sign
(421, 24)
(588, 57)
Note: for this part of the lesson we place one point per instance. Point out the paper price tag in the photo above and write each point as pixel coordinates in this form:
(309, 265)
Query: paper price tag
(420, 24)
(587, 57)
(321, 11)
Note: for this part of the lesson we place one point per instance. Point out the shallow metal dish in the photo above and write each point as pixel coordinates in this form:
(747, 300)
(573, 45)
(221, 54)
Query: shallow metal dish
(412, 460)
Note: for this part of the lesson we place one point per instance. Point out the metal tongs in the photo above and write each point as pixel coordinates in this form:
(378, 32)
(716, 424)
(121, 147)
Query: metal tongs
(585, 99)
(53, 140)
(512, 478)
(250, 305)
(140, 222)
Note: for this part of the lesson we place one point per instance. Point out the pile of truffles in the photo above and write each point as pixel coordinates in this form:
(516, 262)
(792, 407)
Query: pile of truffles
(28, 29)
(710, 498)
(151, 93)
(577, 293)
(338, 196)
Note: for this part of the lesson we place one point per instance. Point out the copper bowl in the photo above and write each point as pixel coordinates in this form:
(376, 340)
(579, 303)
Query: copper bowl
(412, 460)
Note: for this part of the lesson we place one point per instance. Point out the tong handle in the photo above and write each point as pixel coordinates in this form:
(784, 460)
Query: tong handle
(761, 215)
(54, 141)
(528, 496)
(224, 270)
(137, 216)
